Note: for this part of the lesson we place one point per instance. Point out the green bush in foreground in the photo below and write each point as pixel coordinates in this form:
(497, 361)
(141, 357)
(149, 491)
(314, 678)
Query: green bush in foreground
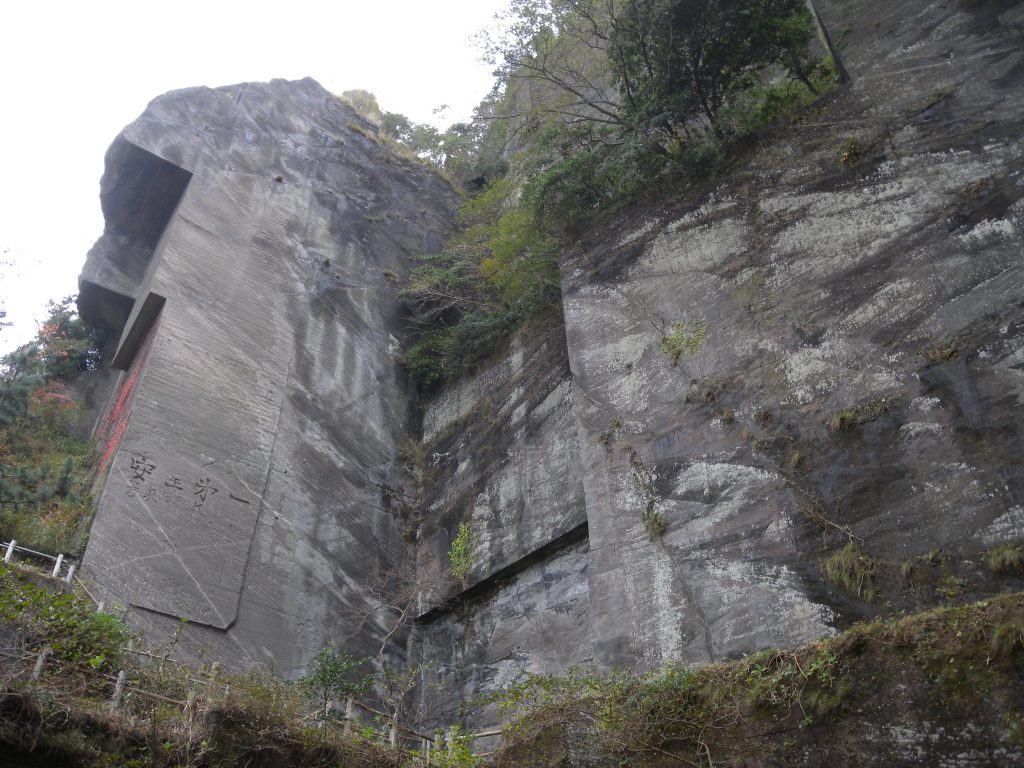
(963, 661)
(333, 675)
(67, 625)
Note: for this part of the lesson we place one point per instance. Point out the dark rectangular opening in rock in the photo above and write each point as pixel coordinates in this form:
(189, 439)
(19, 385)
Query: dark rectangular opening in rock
(142, 192)
(139, 194)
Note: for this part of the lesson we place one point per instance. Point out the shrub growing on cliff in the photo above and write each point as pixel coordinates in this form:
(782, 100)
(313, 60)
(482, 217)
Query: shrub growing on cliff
(595, 101)
(461, 554)
(852, 569)
(333, 675)
(652, 67)
(675, 61)
(498, 270)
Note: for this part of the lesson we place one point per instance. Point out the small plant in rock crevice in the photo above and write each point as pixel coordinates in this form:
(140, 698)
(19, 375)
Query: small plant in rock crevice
(409, 500)
(655, 521)
(607, 437)
(461, 554)
(850, 153)
(685, 339)
(1006, 560)
(1007, 639)
(952, 587)
(842, 421)
(852, 569)
(846, 419)
(942, 352)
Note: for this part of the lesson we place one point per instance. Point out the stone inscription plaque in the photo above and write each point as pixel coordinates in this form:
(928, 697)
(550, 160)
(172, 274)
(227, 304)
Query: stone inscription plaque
(184, 531)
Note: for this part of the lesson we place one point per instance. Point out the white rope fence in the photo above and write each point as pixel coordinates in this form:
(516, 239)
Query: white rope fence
(11, 548)
(443, 740)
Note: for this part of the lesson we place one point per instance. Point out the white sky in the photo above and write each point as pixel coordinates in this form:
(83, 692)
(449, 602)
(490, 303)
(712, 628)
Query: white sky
(74, 73)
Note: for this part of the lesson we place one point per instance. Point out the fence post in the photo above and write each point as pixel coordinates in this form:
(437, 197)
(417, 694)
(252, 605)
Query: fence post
(37, 670)
(191, 710)
(393, 735)
(57, 565)
(71, 573)
(100, 606)
(350, 712)
(10, 552)
(451, 740)
(115, 700)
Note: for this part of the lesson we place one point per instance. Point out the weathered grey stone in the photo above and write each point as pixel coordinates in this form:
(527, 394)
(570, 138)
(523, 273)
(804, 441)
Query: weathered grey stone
(265, 398)
(824, 289)
(536, 622)
(502, 456)
(861, 381)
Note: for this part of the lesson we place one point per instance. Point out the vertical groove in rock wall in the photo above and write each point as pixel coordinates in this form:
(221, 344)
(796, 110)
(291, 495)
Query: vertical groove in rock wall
(502, 457)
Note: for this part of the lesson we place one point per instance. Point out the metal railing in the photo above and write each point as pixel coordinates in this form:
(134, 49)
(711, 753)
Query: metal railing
(441, 740)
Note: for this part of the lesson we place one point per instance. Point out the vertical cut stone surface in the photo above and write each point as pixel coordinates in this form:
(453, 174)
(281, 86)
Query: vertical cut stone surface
(860, 282)
(860, 377)
(537, 622)
(266, 404)
(501, 455)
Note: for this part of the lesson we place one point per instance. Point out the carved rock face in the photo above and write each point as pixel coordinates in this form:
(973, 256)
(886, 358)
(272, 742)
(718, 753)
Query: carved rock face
(850, 340)
(248, 234)
(859, 375)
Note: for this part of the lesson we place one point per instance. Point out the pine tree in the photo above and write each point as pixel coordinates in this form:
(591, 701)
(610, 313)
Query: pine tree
(16, 384)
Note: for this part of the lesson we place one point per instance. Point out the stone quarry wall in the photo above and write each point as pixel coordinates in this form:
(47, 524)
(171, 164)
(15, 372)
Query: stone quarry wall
(254, 237)
(861, 284)
(860, 382)
(501, 456)
(861, 376)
